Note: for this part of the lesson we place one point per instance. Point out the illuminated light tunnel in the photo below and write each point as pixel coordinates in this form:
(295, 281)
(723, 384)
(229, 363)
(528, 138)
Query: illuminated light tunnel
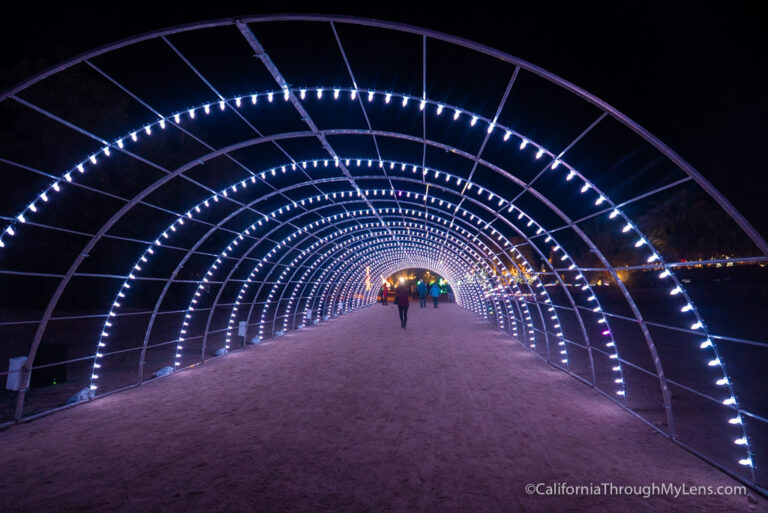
(213, 191)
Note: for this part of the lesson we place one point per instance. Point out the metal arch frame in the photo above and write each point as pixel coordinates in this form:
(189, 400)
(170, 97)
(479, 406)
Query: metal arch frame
(503, 173)
(349, 263)
(655, 358)
(315, 301)
(713, 193)
(350, 286)
(252, 142)
(302, 294)
(378, 249)
(367, 242)
(329, 262)
(304, 229)
(478, 254)
(489, 222)
(553, 208)
(281, 192)
(388, 262)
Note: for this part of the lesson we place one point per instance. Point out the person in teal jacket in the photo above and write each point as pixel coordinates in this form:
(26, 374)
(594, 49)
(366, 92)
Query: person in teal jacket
(435, 293)
(422, 288)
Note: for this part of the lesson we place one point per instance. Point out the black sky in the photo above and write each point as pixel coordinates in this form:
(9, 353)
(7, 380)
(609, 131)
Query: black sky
(692, 74)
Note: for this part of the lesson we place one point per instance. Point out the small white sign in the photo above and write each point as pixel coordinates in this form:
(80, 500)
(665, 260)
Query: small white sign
(17, 379)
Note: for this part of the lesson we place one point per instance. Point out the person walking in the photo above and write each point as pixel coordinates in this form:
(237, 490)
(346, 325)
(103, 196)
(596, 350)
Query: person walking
(401, 299)
(435, 292)
(384, 294)
(422, 288)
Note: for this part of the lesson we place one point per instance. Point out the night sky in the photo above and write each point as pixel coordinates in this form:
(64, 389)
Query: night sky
(693, 75)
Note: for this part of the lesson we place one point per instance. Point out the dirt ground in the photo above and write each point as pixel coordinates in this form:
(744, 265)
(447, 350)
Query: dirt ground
(355, 415)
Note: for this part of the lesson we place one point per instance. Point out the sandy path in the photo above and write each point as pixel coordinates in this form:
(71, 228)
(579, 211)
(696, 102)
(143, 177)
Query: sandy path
(353, 415)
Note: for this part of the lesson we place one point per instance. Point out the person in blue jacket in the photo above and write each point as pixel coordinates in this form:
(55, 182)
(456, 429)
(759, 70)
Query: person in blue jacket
(422, 288)
(435, 292)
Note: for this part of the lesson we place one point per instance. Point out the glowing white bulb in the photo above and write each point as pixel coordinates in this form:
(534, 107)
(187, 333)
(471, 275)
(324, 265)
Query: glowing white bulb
(221, 104)
(729, 401)
(713, 363)
(238, 101)
(207, 108)
(734, 420)
(507, 135)
(697, 325)
(740, 441)
(665, 273)
(387, 97)
(162, 125)
(687, 308)
(439, 109)
(585, 188)
(614, 213)
(191, 115)
(319, 93)
(303, 93)
(93, 159)
(353, 94)
(370, 96)
(56, 187)
(473, 122)
(491, 127)
(254, 99)
(557, 163)
(675, 291)
(270, 96)
(707, 343)
(456, 114)
(119, 143)
(422, 104)
(336, 94)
